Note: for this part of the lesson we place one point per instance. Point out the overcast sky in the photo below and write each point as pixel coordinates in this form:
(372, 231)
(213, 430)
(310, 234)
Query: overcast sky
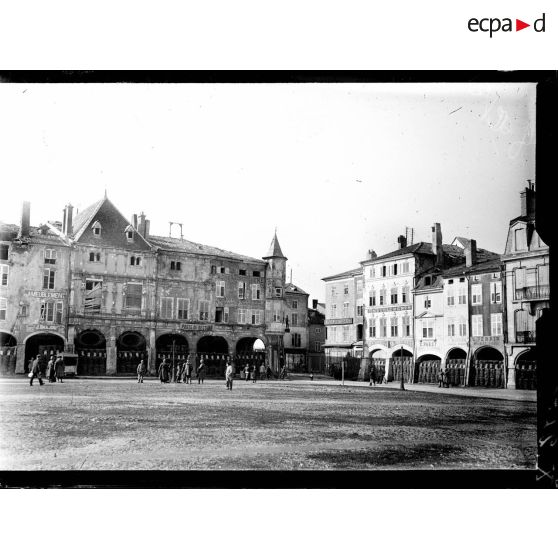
(337, 168)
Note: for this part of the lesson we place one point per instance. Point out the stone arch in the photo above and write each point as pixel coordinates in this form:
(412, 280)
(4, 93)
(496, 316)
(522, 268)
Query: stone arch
(91, 348)
(487, 368)
(214, 349)
(526, 369)
(172, 346)
(455, 366)
(246, 353)
(45, 344)
(8, 353)
(130, 350)
(428, 367)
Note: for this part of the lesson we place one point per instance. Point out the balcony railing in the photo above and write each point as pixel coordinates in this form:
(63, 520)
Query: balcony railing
(525, 337)
(533, 293)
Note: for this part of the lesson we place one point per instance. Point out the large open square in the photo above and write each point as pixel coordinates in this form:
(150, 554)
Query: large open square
(118, 424)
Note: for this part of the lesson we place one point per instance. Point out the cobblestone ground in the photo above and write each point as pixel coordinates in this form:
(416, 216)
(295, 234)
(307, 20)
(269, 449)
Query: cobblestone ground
(120, 424)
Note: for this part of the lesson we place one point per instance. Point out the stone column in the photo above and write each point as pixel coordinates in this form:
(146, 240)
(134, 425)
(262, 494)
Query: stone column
(111, 353)
(152, 353)
(21, 365)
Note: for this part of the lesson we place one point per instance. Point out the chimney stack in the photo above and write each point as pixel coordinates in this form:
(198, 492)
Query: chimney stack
(437, 243)
(528, 201)
(372, 255)
(314, 303)
(142, 224)
(471, 253)
(147, 223)
(402, 241)
(25, 219)
(135, 221)
(67, 225)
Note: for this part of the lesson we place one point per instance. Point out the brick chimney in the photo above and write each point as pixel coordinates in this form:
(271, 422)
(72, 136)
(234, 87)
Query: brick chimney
(528, 201)
(25, 219)
(142, 224)
(402, 241)
(471, 253)
(134, 221)
(437, 243)
(314, 303)
(67, 225)
(372, 255)
(147, 223)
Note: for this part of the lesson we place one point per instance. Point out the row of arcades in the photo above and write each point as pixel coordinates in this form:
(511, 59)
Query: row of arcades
(486, 367)
(131, 348)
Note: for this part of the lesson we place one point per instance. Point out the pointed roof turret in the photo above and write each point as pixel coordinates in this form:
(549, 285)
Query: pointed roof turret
(274, 249)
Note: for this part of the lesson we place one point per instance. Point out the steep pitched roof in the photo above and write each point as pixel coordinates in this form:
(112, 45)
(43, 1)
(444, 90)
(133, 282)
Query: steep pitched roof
(274, 249)
(84, 218)
(189, 247)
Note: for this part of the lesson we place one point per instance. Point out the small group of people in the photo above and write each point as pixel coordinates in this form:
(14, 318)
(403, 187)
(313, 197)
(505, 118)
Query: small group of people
(181, 373)
(55, 369)
(443, 380)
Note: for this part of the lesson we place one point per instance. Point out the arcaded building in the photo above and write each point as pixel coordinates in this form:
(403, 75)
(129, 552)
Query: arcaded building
(99, 286)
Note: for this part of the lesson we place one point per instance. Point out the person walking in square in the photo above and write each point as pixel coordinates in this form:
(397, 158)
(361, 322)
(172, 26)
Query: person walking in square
(50, 374)
(262, 371)
(229, 374)
(253, 373)
(59, 369)
(141, 371)
(188, 371)
(268, 372)
(201, 371)
(36, 371)
(246, 372)
(164, 371)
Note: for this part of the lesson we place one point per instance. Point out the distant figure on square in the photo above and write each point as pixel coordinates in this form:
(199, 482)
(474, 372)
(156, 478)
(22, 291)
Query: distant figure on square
(269, 372)
(262, 371)
(36, 371)
(229, 374)
(253, 373)
(443, 379)
(141, 371)
(59, 369)
(372, 375)
(188, 371)
(246, 372)
(202, 368)
(164, 371)
(50, 374)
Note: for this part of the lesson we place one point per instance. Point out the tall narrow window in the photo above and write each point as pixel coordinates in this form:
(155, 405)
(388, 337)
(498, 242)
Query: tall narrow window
(476, 322)
(405, 295)
(294, 319)
(48, 279)
(450, 297)
(451, 327)
(167, 304)
(4, 273)
(406, 326)
(182, 308)
(3, 308)
(256, 292)
(220, 289)
(393, 327)
(133, 295)
(496, 292)
(242, 316)
(496, 324)
(204, 310)
(241, 290)
(4, 251)
(476, 294)
(393, 294)
(93, 296)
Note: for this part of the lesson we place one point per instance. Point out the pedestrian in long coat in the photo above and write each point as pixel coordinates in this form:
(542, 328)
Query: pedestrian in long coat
(59, 369)
(253, 373)
(164, 371)
(262, 371)
(36, 371)
(50, 373)
(247, 372)
(188, 371)
(202, 368)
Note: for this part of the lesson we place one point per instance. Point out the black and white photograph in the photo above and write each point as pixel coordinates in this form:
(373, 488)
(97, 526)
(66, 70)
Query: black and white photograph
(266, 275)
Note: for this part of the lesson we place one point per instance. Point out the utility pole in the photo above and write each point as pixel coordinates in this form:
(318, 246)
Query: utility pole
(402, 384)
(343, 372)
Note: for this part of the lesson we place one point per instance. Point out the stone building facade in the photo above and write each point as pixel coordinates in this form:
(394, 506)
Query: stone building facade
(102, 288)
(316, 337)
(296, 340)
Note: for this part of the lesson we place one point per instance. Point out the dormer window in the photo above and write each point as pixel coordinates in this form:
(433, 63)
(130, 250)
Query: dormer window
(96, 228)
(129, 230)
(427, 280)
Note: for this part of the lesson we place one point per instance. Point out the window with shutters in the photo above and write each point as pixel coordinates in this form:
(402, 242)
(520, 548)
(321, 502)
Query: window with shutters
(257, 292)
(346, 289)
(450, 297)
(427, 302)
(50, 256)
(360, 311)
(3, 308)
(496, 292)
(476, 323)
(405, 267)
(167, 304)
(242, 316)
(383, 327)
(220, 289)
(182, 308)
(405, 293)
(133, 295)
(294, 304)
(383, 296)
(294, 319)
(462, 327)
(496, 324)
(4, 274)
(406, 326)
(256, 317)
(334, 310)
(476, 295)
(451, 327)
(427, 329)
(384, 271)
(93, 296)
(204, 310)
(393, 327)
(372, 298)
(241, 290)
(372, 328)
(345, 310)
(393, 295)
(48, 279)
(296, 340)
(462, 294)
(51, 312)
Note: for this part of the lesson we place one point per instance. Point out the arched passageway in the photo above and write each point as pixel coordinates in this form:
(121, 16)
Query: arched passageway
(130, 350)
(401, 363)
(214, 350)
(487, 368)
(456, 366)
(174, 347)
(8, 349)
(91, 348)
(427, 369)
(526, 370)
(249, 351)
(45, 345)
(376, 365)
